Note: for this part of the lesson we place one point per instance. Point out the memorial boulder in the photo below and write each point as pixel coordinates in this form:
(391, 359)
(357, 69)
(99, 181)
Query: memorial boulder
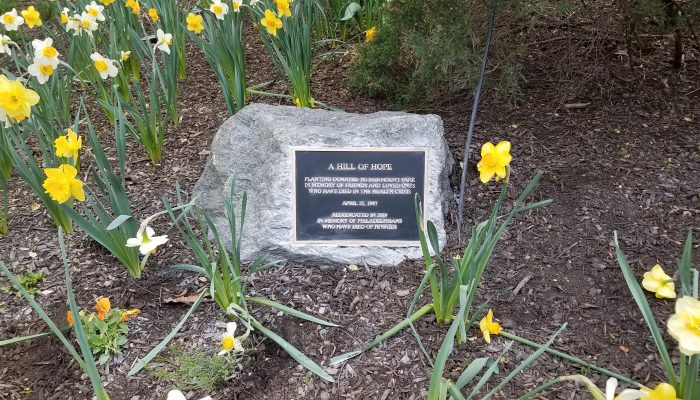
(327, 187)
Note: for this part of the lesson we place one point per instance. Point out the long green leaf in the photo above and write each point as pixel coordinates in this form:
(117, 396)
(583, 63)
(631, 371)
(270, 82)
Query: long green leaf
(40, 311)
(81, 336)
(643, 305)
(300, 357)
(20, 339)
(289, 310)
(445, 351)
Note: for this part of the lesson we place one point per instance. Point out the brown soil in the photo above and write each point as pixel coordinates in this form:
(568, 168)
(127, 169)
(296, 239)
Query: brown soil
(627, 162)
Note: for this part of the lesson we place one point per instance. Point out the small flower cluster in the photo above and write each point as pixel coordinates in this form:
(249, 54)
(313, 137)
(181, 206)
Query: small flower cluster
(11, 21)
(106, 328)
(87, 21)
(62, 183)
(45, 60)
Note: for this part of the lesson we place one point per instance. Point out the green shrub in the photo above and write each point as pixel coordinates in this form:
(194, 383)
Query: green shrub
(427, 51)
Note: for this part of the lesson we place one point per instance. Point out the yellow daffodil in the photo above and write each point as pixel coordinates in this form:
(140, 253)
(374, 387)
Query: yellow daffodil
(134, 5)
(237, 5)
(153, 15)
(684, 325)
(219, 9)
(271, 22)
(195, 23)
(42, 72)
(69, 318)
(283, 8)
(488, 327)
(94, 11)
(102, 306)
(125, 55)
(663, 391)
(106, 2)
(61, 183)
(494, 161)
(128, 314)
(64, 15)
(656, 281)
(146, 240)
(164, 41)
(370, 34)
(16, 101)
(104, 66)
(45, 53)
(177, 395)
(31, 17)
(68, 145)
(11, 21)
(229, 342)
(5, 44)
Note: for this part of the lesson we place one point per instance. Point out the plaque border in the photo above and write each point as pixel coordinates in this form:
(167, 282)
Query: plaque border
(356, 242)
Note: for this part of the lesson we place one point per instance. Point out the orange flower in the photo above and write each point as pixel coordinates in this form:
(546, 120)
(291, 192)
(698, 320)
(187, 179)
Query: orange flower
(102, 306)
(129, 313)
(69, 317)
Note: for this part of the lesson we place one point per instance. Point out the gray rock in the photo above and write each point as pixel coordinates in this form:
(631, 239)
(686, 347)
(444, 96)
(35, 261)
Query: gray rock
(253, 148)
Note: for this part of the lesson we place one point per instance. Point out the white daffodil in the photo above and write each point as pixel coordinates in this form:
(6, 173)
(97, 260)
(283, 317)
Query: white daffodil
(45, 53)
(237, 5)
(87, 24)
(5, 44)
(104, 66)
(627, 394)
(254, 2)
(229, 342)
(41, 71)
(219, 9)
(125, 55)
(73, 24)
(177, 395)
(94, 11)
(146, 240)
(164, 41)
(11, 20)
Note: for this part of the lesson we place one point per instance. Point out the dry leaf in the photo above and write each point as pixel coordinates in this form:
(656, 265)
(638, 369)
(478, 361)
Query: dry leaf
(624, 349)
(183, 298)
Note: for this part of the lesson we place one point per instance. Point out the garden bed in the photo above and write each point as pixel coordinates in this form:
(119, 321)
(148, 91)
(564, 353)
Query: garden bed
(627, 162)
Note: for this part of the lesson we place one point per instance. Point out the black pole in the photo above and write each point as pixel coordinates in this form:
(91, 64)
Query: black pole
(475, 108)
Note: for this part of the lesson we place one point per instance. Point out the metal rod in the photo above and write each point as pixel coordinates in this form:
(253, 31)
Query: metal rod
(475, 108)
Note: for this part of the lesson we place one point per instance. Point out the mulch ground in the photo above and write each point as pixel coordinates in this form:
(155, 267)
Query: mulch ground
(629, 162)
